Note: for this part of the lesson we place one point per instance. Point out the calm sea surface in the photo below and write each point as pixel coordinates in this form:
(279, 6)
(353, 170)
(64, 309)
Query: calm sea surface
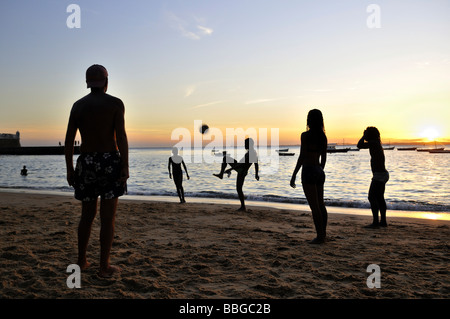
(418, 180)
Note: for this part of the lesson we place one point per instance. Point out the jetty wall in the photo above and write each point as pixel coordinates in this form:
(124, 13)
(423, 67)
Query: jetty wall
(36, 150)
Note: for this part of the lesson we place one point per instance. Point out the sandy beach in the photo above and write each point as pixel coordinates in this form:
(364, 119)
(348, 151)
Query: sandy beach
(203, 251)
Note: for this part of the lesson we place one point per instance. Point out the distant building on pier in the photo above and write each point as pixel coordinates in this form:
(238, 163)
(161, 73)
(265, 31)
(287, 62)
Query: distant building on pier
(9, 140)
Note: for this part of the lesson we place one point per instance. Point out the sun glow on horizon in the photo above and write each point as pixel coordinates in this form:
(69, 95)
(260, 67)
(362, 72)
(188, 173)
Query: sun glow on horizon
(430, 133)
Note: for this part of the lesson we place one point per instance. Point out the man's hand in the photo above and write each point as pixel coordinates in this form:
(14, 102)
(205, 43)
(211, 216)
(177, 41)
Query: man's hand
(124, 174)
(293, 182)
(70, 177)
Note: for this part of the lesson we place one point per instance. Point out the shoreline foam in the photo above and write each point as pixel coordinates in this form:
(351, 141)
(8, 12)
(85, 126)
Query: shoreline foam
(276, 205)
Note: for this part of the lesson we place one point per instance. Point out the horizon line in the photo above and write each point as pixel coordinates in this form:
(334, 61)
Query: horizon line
(150, 145)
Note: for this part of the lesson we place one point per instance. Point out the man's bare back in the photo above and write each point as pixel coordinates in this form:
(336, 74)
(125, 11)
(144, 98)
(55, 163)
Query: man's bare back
(98, 116)
(101, 121)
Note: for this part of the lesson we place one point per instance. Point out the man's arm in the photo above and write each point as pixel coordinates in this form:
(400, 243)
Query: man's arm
(68, 146)
(122, 141)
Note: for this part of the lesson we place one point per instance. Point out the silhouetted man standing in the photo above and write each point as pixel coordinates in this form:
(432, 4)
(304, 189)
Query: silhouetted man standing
(102, 167)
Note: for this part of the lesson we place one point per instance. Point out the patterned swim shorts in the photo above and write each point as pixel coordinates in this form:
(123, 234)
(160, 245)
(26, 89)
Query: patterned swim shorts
(98, 174)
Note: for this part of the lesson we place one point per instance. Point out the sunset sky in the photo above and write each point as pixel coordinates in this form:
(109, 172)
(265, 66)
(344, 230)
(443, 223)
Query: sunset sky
(231, 64)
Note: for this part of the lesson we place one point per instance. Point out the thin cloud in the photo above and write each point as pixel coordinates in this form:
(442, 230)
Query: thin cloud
(189, 91)
(423, 64)
(207, 104)
(205, 30)
(188, 29)
(258, 101)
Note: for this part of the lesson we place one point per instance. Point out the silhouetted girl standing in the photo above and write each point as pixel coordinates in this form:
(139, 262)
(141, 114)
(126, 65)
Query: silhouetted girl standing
(371, 140)
(313, 156)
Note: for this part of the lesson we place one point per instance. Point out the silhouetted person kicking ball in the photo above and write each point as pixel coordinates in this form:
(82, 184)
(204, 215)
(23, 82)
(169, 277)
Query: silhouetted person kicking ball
(241, 167)
(371, 140)
(175, 162)
(102, 167)
(227, 159)
(313, 156)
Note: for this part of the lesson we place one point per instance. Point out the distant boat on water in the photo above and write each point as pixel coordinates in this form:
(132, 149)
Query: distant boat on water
(284, 152)
(217, 153)
(406, 148)
(349, 149)
(389, 147)
(430, 149)
(332, 149)
(439, 151)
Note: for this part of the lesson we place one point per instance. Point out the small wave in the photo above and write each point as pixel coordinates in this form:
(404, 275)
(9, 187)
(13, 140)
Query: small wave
(418, 206)
(391, 204)
(394, 205)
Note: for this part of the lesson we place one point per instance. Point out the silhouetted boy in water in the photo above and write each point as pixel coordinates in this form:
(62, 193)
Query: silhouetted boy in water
(175, 161)
(371, 140)
(241, 168)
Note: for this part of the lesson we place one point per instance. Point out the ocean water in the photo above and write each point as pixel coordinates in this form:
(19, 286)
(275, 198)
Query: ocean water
(419, 181)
